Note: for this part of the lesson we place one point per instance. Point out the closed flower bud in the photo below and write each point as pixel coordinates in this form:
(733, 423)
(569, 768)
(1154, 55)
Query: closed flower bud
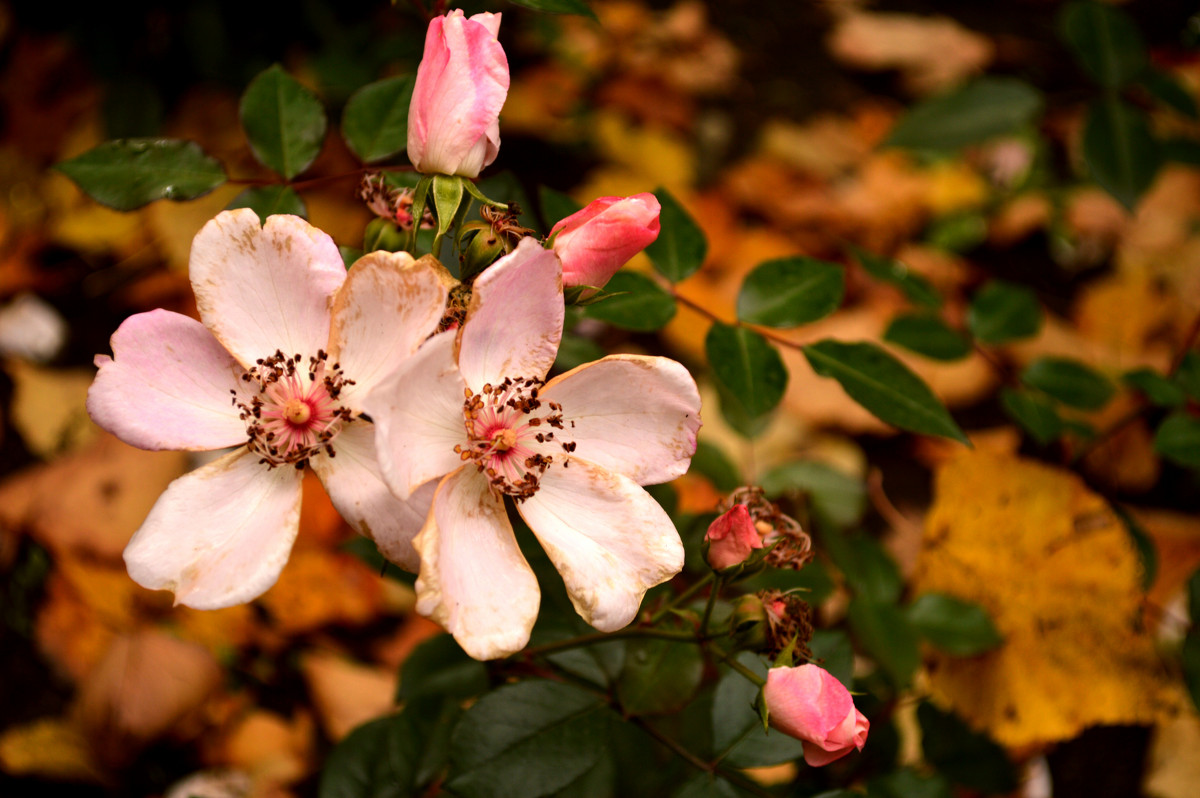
(596, 241)
(731, 538)
(810, 704)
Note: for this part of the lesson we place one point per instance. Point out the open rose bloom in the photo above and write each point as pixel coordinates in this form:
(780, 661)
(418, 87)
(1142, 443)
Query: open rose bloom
(810, 704)
(289, 346)
(472, 408)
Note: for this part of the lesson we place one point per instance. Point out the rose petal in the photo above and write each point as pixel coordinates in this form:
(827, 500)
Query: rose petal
(220, 535)
(356, 488)
(609, 539)
(418, 415)
(474, 580)
(167, 385)
(807, 702)
(386, 308)
(262, 289)
(515, 320)
(631, 414)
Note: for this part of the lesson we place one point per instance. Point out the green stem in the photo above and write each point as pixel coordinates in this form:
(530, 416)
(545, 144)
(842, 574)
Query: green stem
(737, 666)
(681, 598)
(708, 607)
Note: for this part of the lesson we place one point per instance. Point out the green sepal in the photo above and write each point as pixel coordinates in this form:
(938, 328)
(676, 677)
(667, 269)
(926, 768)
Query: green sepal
(383, 234)
(474, 191)
(447, 196)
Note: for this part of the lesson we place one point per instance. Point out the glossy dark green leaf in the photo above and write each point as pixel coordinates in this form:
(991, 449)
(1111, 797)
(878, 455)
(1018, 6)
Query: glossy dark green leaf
(1163, 87)
(268, 200)
(659, 676)
(965, 756)
(599, 782)
(1001, 312)
(556, 206)
(1120, 151)
(885, 633)
(1070, 382)
(869, 570)
(638, 303)
(1034, 414)
(558, 6)
(527, 739)
(284, 122)
(958, 627)
(129, 173)
(711, 462)
(1188, 374)
(439, 667)
(1157, 388)
(789, 292)
(681, 247)
(749, 372)
(907, 783)
(375, 120)
(837, 496)
(982, 110)
(831, 649)
(927, 335)
(706, 785)
(890, 270)
(1178, 439)
(884, 386)
(1105, 40)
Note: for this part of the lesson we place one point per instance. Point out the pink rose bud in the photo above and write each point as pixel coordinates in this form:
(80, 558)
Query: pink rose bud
(596, 241)
(731, 538)
(808, 703)
(462, 82)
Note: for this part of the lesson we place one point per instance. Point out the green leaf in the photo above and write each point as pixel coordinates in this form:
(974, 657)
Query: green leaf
(1147, 551)
(268, 200)
(965, 756)
(284, 122)
(439, 667)
(638, 303)
(927, 335)
(1034, 414)
(789, 292)
(1193, 597)
(556, 206)
(1190, 655)
(128, 173)
(982, 110)
(659, 676)
(890, 270)
(886, 634)
(738, 737)
(375, 120)
(527, 739)
(575, 350)
(1070, 382)
(558, 6)
(832, 651)
(1181, 150)
(749, 372)
(884, 386)
(1001, 312)
(680, 248)
(869, 569)
(958, 627)
(705, 785)
(713, 463)
(1188, 374)
(1120, 151)
(837, 496)
(447, 196)
(1105, 40)
(1178, 439)
(907, 783)
(1157, 388)
(1167, 90)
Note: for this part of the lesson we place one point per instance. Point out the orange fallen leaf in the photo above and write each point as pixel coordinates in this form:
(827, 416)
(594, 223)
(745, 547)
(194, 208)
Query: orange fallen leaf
(347, 694)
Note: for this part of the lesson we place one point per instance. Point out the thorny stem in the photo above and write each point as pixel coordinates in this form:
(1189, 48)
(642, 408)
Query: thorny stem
(686, 595)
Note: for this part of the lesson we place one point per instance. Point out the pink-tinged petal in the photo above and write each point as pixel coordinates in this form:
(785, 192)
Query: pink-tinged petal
(474, 580)
(418, 415)
(515, 319)
(220, 535)
(167, 385)
(596, 241)
(356, 488)
(265, 288)
(731, 537)
(851, 734)
(609, 539)
(387, 307)
(810, 704)
(631, 414)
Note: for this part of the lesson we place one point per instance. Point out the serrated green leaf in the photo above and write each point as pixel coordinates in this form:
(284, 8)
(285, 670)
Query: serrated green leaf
(958, 627)
(711, 462)
(128, 173)
(965, 756)
(268, 200)
(927, 335)
(1178, 439)
(681, 247)
(1157, 388)
(837, 496)
(1070, 382)
(558, 7)
(284, 122)
(887, 636)
(884, 386)
(1002, 312)
(789, 292)
(1120, 151)
(749, 372)
(984, 109)
(1034, 414)
(638, 303)
(375, 120)
(659, 676)
(1105, 40)
(439, 667)
(890, 270)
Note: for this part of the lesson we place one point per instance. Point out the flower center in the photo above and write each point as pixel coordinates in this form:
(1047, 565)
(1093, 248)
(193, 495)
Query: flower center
(507, 436)
(292, 413)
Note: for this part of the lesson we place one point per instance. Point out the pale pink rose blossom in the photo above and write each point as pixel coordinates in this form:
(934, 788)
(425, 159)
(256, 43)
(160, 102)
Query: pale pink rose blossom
(731, 537)
(288, 346)
(472, 408)
(462, 82)
(595, 242)
(809, 703)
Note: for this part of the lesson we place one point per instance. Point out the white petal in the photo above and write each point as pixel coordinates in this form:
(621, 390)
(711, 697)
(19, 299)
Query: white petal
(418, 415)
(607, 537)
(515, 319)
(265, 288)
(220, 535)
(167, 385)
(356, 488)
(474, 580)
(631, 414)
(386, 308)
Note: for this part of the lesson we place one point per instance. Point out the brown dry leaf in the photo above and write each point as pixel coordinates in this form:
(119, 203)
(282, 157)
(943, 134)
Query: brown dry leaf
(318, 588)
(1173, 769)
(825, 146)
(415, 630)
(270, 748)
(1019, 218)
(347, 694)
(1126, 461)
(70, 633)
(216, 630)
(48, 407)
(50, 748)
(1059, 575)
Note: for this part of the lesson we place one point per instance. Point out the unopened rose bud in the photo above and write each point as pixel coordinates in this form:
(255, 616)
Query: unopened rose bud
(810, 704)
(731, 538)
(596, 241)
